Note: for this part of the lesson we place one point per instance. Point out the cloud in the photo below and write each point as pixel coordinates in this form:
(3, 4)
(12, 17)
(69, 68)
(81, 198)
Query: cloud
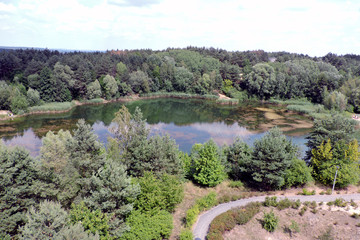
(133, 3)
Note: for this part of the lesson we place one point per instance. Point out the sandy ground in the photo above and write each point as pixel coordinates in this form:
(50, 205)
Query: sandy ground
(334, 221)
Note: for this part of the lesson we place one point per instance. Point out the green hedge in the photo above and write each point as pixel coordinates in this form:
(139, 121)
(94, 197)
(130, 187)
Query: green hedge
(228, 220)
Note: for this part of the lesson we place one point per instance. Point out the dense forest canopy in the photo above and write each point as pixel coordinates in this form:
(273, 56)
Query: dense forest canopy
(31, 77)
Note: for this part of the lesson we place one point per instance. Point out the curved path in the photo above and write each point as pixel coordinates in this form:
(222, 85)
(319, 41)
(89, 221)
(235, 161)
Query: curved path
(204, 220)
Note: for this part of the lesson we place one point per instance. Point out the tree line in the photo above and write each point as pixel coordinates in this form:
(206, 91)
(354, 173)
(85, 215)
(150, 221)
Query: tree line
(79, 189)
(33, 77)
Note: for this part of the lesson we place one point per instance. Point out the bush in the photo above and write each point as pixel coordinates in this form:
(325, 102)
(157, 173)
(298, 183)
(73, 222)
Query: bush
(236, 184)
(270, 221)
(186, 234)
(306, 192)
(148, 226)
(270, 202)
(228, 220)
(298, 174)
(283, 204)
(201, 204)
(191, 215)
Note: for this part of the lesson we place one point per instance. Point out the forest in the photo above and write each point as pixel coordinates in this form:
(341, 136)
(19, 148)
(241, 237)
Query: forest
(77, 188)
(30, 77)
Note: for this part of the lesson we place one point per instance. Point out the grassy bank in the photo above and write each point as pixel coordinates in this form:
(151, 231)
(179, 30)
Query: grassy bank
(178, 95)
(52, 107)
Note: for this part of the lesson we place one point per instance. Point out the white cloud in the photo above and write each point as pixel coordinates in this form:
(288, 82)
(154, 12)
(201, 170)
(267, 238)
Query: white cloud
(310, 27)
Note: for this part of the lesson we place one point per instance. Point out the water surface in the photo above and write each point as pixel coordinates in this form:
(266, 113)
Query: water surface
(188, 121)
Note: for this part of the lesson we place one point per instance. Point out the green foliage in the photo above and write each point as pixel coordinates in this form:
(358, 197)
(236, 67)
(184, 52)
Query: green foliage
(22, 186)
(326, 160)
(236, 184)
(110, 87)
(298, 174)
(284, 203)
(226, 221)
(200, 205)
(158, 193)
(139, 153)
(335, 100)
(262, 81)
(292, 228)
(186, 234)
(270, 202)
(53, 152)
(306, 192)
(50, 222)
(238, 155)
(94, 90)
(5, 94)
(272, 156)
(94, 222)
(113, 193)
(270, 221)
(18, 103)
(191, 215)
(335, 128)
(145, 226)
(55, 106)
(33, 97)
(139, 82)
(206, 163)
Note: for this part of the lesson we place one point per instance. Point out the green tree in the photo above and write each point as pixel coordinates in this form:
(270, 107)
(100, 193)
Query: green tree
(158, 193)
(93, 90)
(113, 193)
(139, 82)
(272, 156)
(33, 97)
(5, 93)
(298, 174)
(335, 100)
(208, 169)
(238, 155)
(22, 185)
(18, 102)
(54, 153)
(261, 81)
(335, 128)
(50, 222)
(94, 222)
(183, 79)
(110, 86)
(326, 159)
(132, 146)
(121, 71)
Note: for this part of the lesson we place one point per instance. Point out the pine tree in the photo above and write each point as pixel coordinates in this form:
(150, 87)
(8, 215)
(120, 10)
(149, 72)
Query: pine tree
(272, 156)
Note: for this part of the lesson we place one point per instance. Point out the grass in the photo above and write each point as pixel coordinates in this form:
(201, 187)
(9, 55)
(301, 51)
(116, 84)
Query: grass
(56, 106)
(227, 101)
(179, 95)
(95, 100)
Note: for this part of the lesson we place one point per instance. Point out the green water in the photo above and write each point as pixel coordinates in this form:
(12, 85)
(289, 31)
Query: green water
(188, 121)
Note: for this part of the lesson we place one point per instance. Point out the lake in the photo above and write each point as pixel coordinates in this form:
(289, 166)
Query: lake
(188, 121)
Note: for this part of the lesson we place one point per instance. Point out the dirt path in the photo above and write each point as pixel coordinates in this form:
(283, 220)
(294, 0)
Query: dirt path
(204, 220)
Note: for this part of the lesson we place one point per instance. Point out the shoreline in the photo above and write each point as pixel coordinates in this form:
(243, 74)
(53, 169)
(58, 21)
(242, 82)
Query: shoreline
(131, 98)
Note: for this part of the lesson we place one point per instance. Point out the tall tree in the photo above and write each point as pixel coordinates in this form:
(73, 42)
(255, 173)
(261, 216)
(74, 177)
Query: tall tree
(272, 156)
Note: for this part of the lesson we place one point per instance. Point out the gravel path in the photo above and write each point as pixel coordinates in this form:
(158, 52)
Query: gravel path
(203, 223)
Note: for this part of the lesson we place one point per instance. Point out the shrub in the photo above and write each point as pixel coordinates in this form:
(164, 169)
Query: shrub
(186, 234)
(270, 221)
(236, 184)
(149, 226)
(270, 202)
(191, 215)
(296, 204)
(228, 220)
(284, 203)
(306, 192)
(201, 204)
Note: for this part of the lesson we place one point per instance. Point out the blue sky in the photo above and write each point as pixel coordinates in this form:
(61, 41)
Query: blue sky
(313, 27)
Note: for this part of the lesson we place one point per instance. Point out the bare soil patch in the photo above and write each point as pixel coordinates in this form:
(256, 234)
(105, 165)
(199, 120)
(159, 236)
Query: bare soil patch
(337, 224)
